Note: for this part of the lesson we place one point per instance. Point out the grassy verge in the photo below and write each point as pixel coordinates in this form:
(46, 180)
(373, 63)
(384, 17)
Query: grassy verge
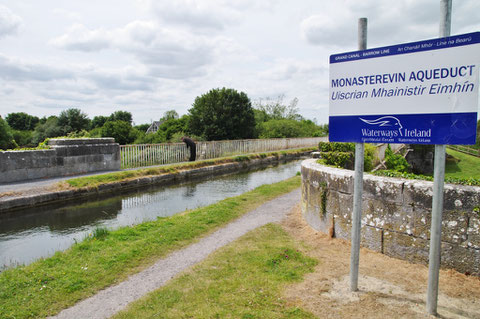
(106, 257)
(465, 167)
(464, 170)
(94, 181)
(243, 280)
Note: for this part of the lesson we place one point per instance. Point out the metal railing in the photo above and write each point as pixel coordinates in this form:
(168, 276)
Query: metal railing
(142, 155)
(465, 149)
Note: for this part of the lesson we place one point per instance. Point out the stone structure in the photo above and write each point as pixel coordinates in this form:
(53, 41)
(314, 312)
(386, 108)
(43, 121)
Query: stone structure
(65, 157)
(396, 215)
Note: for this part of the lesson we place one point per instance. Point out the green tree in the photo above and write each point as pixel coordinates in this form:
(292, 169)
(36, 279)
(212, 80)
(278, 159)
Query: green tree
(6, 137)
(49, 128)
(284, 128)
(121, 116)
(23, 138)
(281, 128)
(276, 109)
(222, 114)
(169, 115)
(22, 121)
(73, 120)
(98, 121)
(142, 127)
(121, 131)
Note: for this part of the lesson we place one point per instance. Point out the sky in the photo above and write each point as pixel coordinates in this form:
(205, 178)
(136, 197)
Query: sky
(150, 56)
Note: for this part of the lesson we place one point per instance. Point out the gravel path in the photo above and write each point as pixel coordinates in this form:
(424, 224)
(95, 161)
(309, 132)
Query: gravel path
(113, 299)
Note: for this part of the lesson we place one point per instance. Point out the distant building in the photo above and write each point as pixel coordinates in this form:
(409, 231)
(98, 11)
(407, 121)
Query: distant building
(154, 127)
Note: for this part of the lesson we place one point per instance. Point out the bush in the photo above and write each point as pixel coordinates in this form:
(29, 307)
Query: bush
(343, 155)
(339, 159)
(121, 131)
(336, 147)
(6, 137)
(23, 138)
(395, 162)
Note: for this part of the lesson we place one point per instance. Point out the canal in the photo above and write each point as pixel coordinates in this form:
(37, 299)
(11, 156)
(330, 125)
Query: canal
(38, 232)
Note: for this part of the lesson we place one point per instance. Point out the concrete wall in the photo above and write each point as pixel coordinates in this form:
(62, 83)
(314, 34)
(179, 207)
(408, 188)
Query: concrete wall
(396, 215)
(66, 157)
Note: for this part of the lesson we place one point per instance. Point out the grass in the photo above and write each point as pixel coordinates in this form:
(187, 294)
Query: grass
(96, 180)
(242, 280)
(467, 167)
(463, 169)
(106, 257)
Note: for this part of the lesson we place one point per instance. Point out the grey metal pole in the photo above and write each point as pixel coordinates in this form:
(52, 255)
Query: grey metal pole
(437, 198)
(358, 183)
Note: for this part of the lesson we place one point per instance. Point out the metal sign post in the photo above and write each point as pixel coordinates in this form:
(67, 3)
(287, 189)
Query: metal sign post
(358, 183)
(437, 199)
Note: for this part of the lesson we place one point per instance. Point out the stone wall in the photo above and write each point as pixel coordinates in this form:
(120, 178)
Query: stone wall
(65, 157)
(396, 215)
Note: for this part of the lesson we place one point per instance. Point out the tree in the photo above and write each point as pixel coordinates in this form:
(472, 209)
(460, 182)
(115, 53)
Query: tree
(277, 110)
(73, 120)
(121, 131)
(169, 115)
(98, 121)
(222, 114)
(121, 116)
(49, 128)
(6, 138)
(22, 121)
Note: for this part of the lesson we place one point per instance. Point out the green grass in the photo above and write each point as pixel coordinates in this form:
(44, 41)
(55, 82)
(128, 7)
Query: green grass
(467, 167)
(242, 280)
(96, 180)
(106, 257)
(463, 169)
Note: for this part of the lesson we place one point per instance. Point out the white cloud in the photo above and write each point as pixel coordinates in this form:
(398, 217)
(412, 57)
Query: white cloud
(80, 38)
(17, 70)
(9, 22)
(388, 22)
(168, 53)
(207, 15)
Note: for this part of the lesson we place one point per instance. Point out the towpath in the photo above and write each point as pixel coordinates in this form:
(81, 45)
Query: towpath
(115, 298)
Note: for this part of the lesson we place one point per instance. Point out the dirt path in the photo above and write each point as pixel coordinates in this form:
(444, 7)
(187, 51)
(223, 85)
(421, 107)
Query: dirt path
(388, 287)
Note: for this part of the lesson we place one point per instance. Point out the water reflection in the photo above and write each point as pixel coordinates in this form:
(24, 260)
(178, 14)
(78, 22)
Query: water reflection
(38, 232)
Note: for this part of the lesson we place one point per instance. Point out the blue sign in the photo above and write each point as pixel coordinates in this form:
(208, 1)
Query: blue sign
(414, 93)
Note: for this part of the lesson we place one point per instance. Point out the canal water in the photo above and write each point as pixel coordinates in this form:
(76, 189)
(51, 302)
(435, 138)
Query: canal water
(38, 232)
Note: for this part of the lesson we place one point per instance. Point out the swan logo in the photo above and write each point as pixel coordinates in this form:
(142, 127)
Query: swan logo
(385, 123)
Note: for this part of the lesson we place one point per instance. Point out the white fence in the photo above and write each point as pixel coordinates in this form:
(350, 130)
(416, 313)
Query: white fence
(157, 154)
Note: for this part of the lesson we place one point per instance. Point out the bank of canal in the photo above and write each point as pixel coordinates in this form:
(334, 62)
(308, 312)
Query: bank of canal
(37, 232)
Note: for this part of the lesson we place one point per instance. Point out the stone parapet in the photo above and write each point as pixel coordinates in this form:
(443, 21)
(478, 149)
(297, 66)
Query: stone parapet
(65, 157)
(396, 215)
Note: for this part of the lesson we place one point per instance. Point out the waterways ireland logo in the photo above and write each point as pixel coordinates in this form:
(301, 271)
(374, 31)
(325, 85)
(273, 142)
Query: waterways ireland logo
(385, 126)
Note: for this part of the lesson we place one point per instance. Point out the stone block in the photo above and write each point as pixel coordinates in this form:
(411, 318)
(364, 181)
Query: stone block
(36, 173)
(388, 189)
(372, 238)
(338, 179)
(454, 225)
(402, 246)
(462, 259)
(418, 194)
(473, 231)
(460, 197)
(387, 215)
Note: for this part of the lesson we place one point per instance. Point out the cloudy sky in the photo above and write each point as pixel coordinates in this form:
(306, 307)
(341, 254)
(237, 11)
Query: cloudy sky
(147, 56)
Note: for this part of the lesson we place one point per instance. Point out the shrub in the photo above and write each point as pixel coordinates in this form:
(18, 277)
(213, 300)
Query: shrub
(343, 155)
(395, 162)
(339, 159)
